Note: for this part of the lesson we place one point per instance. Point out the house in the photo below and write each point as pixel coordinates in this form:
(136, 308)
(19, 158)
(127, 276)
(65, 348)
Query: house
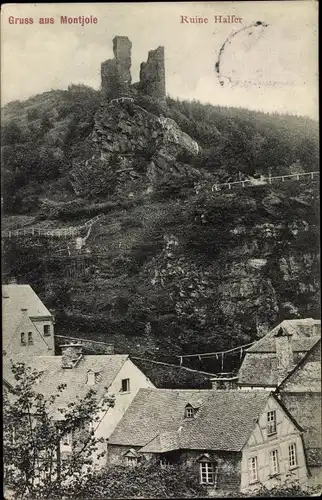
(229, 439)
(300, 392)
(288, 361)
(110, 374)
(27, 325)
(268, 361)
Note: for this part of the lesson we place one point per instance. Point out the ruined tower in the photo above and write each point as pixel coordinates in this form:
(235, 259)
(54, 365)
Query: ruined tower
(116, 73)
(152, 74)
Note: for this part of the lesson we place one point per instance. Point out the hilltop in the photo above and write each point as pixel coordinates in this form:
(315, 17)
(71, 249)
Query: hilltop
(170, 266)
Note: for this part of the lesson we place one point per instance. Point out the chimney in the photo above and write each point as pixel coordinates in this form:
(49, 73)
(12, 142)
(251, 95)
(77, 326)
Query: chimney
(71, 354)
(223, 383)
(284, 353)
(316, 330)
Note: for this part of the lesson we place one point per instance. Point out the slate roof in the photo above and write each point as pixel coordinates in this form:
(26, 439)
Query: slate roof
(107, 367)
(312, 356)
(306, 410)
(304, 332)
(155, 420)
(14, 298)
(259, 367)
(167, 376)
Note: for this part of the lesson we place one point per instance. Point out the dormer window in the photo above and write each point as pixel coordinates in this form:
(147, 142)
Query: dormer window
(131, 457)
(189, 412)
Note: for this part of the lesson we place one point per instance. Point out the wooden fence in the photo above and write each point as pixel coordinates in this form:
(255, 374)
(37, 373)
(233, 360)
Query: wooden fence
(68, 232)
(266, 180)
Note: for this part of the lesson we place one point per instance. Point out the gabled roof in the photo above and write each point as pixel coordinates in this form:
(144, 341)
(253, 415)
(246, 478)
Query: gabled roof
(304, 332)
(306, 410)
(259, 367)
(53, 375)
(155, 420)
(14, 298)
(316, 349)
(26, 324)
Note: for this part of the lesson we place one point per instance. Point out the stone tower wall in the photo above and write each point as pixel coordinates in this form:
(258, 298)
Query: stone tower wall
(116, 73)
(152, 74)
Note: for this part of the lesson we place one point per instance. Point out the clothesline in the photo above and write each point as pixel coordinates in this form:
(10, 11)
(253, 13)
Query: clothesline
(216, 354)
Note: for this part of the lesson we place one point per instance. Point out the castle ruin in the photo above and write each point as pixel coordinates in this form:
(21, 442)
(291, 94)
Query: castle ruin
(116, 73)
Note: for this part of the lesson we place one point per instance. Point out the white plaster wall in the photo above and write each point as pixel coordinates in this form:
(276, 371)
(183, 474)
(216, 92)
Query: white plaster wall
(260, 445)
(111, 418)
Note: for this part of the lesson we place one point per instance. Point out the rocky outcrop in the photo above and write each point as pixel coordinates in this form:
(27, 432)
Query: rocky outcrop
(173, 135)
(136, 147)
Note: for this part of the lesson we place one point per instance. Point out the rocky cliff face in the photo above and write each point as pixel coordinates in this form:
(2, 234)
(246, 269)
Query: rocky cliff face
(140, 148)
(170, 267)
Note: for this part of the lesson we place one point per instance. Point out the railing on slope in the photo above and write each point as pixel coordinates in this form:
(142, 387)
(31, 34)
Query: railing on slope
(265, 180)
(51, 233)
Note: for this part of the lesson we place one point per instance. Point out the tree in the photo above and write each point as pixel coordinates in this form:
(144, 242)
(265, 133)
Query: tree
(34, 467)
(147, 480)
(11, 133)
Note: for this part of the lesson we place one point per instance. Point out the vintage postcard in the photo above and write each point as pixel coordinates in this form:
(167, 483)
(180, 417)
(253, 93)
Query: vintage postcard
(161, 333)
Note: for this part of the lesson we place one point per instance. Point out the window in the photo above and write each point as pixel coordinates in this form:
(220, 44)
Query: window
(30, 339)
(164, 462)
(271, 422)
(46, 330)
(125, 385)
(252, 469)
(206, 472)
(189, 412)
(22, 338)
(292, 458)
(273, 461)
(131, 461)
(67, 439)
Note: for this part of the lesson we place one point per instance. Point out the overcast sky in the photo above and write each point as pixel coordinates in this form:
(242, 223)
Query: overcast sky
(272, 69)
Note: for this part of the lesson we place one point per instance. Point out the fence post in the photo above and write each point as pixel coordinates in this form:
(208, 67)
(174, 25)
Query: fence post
(312, 175)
